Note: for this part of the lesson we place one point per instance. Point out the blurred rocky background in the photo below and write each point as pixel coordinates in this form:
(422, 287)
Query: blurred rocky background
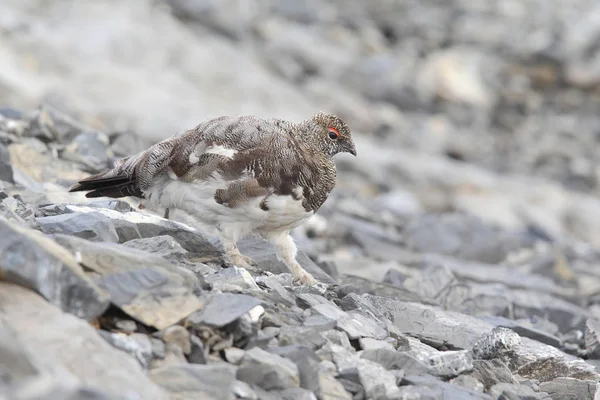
(460, 251)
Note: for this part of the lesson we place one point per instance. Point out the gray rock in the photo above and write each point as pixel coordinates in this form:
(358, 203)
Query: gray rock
(570, 389)
(133, 278)
(431, 282)
(309, 336)
(45, 387)
(198, 351)
(268, 371)
(110, 225)
(68, 349)
(355, 324)
(221, 309)
(437, 389)
(231, 277)
(375, 379)
(392, 359)
(164, 246)
(463, 236)
(89, 148)
(449, 364)
(307, 362)
(525, 331)
(431, 324)
(29, 258)
(592, 338)
(511, 391)
(307, 300)
(337, 337)
(242, 390)
(178, 335)
(374, 344)
(297, 394)
(491, 372)
(212, 382)
(137, 345)
(468, 382)
(531, 359)
(6, 171)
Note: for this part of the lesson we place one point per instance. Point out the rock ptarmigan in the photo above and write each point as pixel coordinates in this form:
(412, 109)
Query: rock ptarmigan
(239, 176)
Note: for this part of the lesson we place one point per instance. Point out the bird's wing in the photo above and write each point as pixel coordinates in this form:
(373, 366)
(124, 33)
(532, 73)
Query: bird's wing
(235, 148)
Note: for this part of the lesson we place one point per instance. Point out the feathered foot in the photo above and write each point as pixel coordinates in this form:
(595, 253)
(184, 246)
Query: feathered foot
(286, 252)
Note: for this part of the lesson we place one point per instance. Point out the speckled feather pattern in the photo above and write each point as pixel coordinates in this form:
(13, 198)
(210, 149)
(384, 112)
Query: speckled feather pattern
(239, 175)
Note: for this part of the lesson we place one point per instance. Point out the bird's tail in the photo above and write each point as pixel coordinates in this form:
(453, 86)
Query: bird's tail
(120, 181)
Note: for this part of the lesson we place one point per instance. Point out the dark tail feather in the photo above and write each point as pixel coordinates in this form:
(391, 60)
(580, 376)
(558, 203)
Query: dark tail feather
(116, 186)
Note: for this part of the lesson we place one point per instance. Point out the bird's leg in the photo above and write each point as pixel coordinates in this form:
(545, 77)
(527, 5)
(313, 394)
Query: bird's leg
(286, 253)
(235, 257)
(166, 216)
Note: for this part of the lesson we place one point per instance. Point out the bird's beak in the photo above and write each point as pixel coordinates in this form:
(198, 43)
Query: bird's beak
(352, 149)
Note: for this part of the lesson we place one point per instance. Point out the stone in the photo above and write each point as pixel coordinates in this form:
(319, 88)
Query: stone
(447, 364)
(570, 389)
(592, 338)
(531, 359)
(237, 277)
(307, 300)
(330, 388)
(69, 349)
(29, 258)
(233, 355)
(355, 324)
(297, 394)
(179, 336)
(241, 390)
(163, 245)
(89, 148)
(432, 324)
(375, 379)
(512, 391)
(525, 331)
(392, 359)
(431, 282)
(468, 382)
(268, 371)
(137, 345)
(214, 381)
(464, 236)
(173, 355)
(374, 344)
(436, 389)
(309, 336)
(132, 277)
(198, 353)
(221, 309)
(6, 170)
(306, 360)
(491, 372)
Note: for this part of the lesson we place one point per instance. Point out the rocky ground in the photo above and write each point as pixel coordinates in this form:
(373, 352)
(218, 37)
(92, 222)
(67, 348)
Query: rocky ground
(459, 254)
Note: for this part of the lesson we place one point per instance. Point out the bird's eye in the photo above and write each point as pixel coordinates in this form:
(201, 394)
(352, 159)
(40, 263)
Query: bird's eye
(334, 134)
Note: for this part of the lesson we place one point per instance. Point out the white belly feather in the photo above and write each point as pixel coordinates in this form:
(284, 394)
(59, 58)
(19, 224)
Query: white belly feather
(197, 198)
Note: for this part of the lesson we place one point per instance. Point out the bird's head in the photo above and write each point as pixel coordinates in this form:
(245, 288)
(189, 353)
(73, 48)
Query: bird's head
(332, 134)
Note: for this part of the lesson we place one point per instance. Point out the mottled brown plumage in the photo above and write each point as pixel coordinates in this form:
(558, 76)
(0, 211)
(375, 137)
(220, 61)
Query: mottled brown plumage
(239, 175)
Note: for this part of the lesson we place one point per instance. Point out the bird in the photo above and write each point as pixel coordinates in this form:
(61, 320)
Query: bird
(238, 176)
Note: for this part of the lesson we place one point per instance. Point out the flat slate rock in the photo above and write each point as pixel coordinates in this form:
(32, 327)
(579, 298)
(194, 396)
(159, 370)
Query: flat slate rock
(67, 349)
(432, 324)
(193, 381)
(33, 260)
(223, 308)
(143, 285)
